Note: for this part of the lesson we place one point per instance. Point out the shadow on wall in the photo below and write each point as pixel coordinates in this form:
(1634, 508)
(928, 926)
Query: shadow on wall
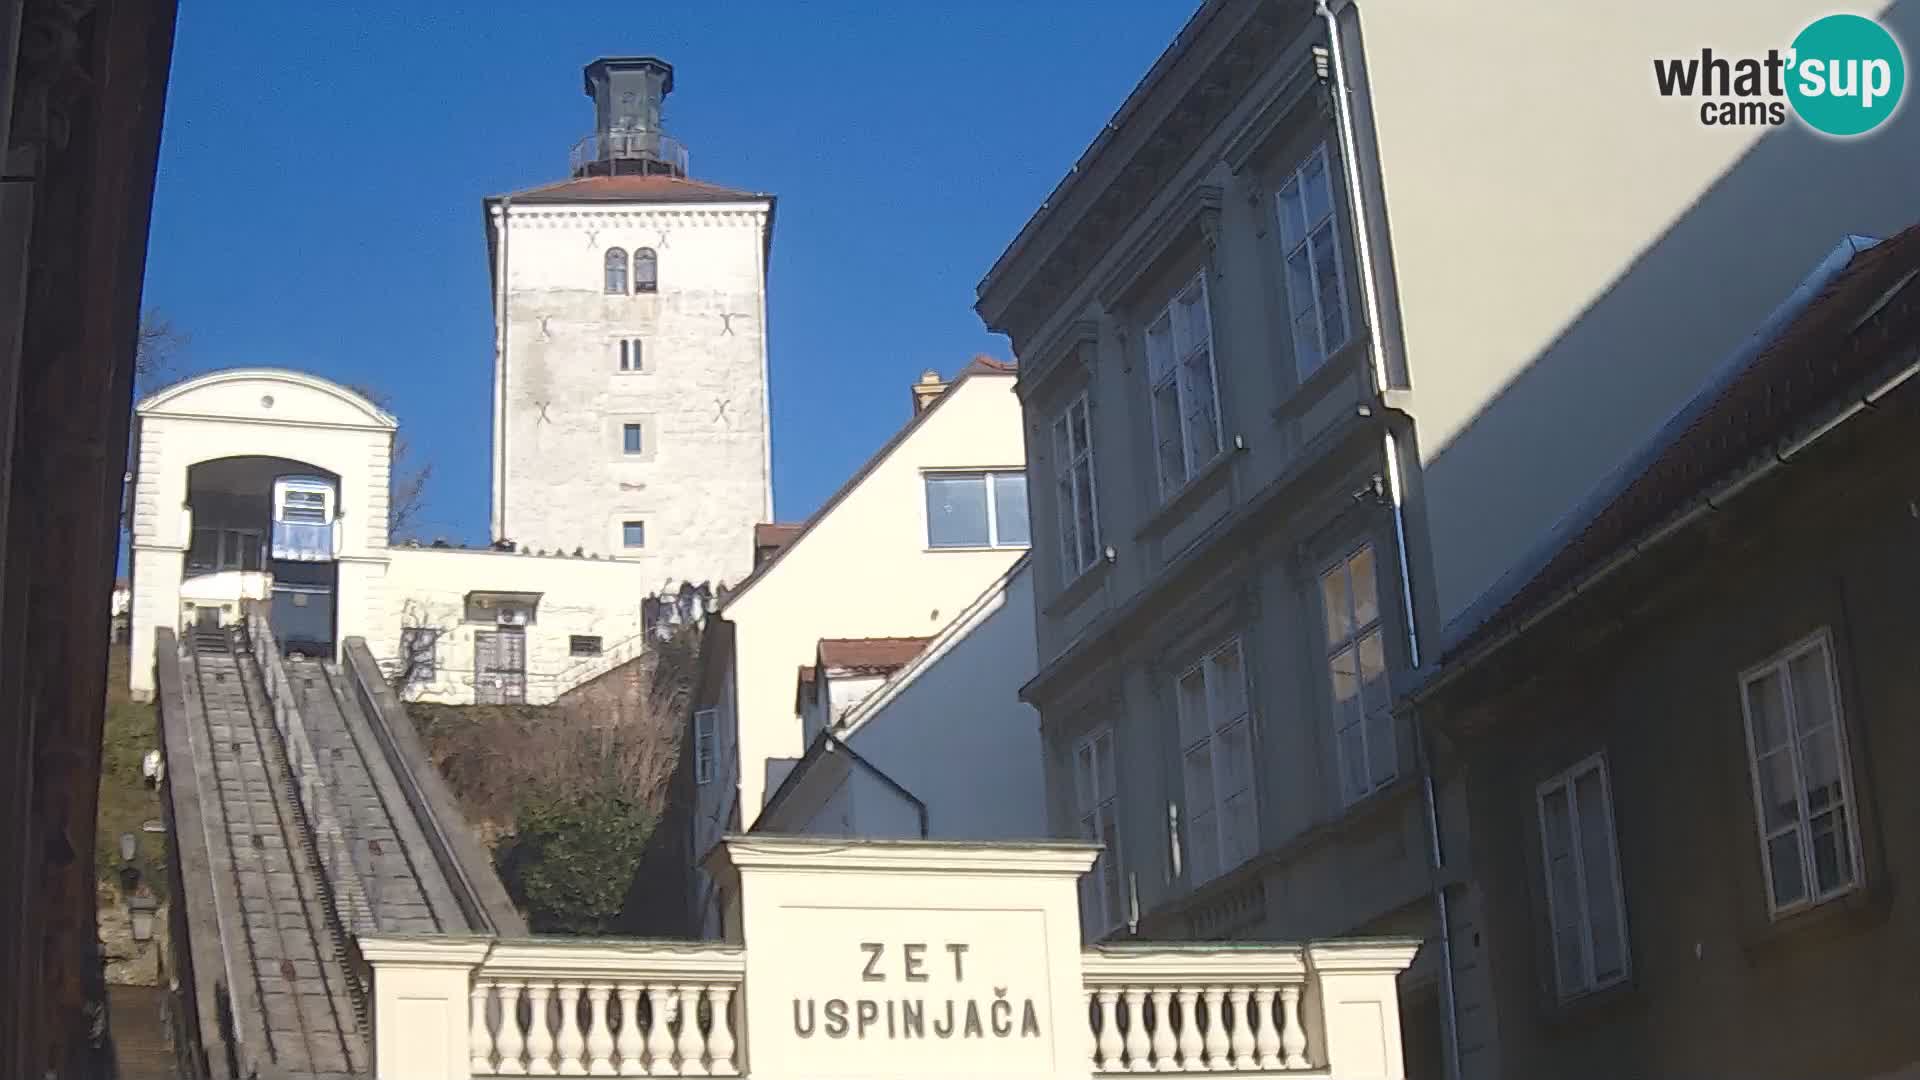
(1636, 353)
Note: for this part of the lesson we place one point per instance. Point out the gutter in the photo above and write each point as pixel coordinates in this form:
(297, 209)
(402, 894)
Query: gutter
(1396, 497)
(1701, 506)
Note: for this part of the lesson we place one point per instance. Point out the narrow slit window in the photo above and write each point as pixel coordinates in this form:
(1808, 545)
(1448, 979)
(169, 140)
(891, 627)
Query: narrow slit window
(632, 354)
(616, 272)
(630, 441)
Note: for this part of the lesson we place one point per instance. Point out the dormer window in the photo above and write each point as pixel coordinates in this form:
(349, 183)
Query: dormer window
(616, 272)
(646, 271)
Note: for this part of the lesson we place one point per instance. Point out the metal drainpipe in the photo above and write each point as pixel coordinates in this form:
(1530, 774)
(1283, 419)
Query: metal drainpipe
(1376, 346)
(500, 377)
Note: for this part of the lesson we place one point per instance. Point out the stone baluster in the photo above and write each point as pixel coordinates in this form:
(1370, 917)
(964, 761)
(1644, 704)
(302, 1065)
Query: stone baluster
(1093, 1037)
(571, 1044)
(513, 1041)
(599, 1035)
(539, 1031)
(631, 1046)
(1137, 1045)
(1190, 1044)
(1266, 1035)
(659, 1039)
(691, 1043)
(1217, 1030)
(1293, 1037)
(479, 1035)
(1242, 1033)
(1109, 1032)
(1163, 1045)
(720, 1041)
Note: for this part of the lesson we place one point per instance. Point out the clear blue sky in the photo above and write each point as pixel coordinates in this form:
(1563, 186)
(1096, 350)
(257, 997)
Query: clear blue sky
(323, 164)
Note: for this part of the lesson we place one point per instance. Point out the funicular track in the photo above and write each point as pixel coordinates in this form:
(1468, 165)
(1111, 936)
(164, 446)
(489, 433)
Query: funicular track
(314, 1009)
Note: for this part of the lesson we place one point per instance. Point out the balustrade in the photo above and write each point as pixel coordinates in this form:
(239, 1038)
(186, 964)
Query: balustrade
(1194, 1009)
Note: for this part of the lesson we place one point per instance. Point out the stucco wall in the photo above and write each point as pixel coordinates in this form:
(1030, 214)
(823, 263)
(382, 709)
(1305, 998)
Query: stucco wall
(1573, 251)
(428, 587)
(562, 480)
(954, 732)
(864, 570)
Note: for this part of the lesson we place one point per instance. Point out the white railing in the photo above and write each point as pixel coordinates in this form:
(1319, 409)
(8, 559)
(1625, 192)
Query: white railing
(606, 1009)
(1197, 1009)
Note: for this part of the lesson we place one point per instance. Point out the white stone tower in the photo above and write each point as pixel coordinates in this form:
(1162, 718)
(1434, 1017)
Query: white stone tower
(630, 371)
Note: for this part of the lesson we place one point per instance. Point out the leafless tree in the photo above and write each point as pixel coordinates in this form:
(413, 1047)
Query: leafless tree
(411, 662)
(157, 350)
(406, 478)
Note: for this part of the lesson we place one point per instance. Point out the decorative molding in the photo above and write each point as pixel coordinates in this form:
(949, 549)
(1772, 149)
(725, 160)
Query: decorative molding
(1263, 964)
(1198, 209)
(1281, 109)
(657, 218)
(815, 854)
(1062, 356)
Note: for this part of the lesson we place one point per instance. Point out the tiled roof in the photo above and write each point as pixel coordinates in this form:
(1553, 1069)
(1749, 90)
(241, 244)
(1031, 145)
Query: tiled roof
(987, 365)
(632, 188)
(775, 534)
(1741, 415)
(869, 655)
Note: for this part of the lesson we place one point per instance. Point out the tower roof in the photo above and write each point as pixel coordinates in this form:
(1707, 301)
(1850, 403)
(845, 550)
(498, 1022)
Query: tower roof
(654, 187)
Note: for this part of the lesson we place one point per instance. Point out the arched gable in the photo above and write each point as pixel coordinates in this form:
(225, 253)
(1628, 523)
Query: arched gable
(268, 396)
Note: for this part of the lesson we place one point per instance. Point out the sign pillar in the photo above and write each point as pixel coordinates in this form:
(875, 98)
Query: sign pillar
(894, 958)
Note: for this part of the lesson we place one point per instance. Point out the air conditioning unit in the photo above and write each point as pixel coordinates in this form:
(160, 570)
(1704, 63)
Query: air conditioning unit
(511, 617)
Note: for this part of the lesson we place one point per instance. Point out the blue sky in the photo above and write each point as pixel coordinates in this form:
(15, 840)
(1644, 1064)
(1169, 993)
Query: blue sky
(318, 204)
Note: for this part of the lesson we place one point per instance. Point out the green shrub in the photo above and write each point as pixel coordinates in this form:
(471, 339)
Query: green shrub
(571, 857)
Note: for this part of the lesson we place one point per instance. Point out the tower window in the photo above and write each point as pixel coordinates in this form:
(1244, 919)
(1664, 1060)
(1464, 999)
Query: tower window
(646, 270)
(631, 355)
(630, 438)
(633, 534)
(616, 271)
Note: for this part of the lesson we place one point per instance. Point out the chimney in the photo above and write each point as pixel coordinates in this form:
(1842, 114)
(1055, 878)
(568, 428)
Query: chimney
(928, 388)
(627, 139)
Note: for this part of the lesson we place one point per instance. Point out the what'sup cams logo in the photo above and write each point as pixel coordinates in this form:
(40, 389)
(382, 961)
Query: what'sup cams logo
(1844, 75)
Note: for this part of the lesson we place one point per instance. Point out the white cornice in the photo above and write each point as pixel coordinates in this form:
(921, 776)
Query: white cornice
(816, 854)
(425, 950)
(1245, 965)
(591, 215)
(1385, 956)
(666, 960)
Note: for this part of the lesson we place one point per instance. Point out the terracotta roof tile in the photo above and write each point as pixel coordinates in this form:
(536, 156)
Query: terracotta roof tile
(650, 188)
(877, 655)
(775, 535)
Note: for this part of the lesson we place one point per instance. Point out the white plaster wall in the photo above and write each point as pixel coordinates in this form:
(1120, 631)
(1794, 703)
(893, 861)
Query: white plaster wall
(863, 570)
(246, 412)
(428, 587)
(951, 729)
(562, 480)
(1574, 253)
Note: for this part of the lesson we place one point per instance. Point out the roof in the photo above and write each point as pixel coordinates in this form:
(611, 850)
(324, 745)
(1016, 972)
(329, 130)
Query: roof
(870, 655)
(770, 534)
(979, 366)
(1788, 368)
(654, 187)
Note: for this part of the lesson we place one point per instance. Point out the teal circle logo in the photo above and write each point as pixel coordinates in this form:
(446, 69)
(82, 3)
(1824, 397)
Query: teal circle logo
(1848, 75)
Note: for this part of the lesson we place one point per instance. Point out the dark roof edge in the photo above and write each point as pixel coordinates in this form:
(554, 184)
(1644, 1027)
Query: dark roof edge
(1478, 614)
(824, 743)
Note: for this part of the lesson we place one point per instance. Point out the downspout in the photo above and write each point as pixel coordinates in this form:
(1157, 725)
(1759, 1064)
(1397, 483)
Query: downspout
(1377, 367)
(504, 210)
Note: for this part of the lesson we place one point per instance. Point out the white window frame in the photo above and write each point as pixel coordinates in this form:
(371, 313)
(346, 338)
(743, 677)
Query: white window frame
(1298, 237)
(986, 478)
(1168, 370)
(1080, 550)
(705, 737)
(1206, 735)
(1563, 786)
(286, 486)
(1821, 641)
(1097, 808)
(1372, 714)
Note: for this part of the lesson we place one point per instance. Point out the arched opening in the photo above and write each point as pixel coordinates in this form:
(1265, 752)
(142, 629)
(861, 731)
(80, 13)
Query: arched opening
(263, 530)
(616, 272)
(646, 270)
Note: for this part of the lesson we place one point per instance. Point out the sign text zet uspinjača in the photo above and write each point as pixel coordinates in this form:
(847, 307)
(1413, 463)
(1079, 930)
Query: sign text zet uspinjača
(963, 1013)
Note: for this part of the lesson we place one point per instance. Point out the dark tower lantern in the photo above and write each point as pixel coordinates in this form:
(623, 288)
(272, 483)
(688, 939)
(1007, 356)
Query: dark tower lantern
(627, 139)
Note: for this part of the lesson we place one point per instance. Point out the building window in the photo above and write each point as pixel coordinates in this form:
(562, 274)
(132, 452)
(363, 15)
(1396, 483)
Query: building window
(633, 534)
(583, 645)
(420, 653)
(616, 272)
(1217, 762)
(646, 270)
(1095, 792)
(630, 442)
(1186, 408)
(1802, 786)
(1357, 675)
(977, 510)
(631, 354)
(301, 505)
(1073, 481)
(1585, 908)
(1316, 281)
(704, 723)
(214, 550)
